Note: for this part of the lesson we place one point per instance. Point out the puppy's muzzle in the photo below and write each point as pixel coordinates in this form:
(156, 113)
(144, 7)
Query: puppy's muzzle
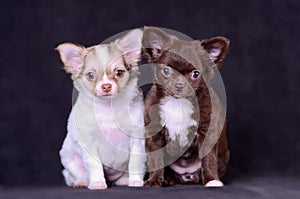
(179, 87)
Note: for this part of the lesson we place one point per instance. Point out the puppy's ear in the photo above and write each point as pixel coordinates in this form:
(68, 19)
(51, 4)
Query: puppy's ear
(131, 45)
(154, 42)
(72, 56)
(217, 49)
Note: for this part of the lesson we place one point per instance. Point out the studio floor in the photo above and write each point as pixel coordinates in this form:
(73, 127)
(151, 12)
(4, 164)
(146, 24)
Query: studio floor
(259, 187)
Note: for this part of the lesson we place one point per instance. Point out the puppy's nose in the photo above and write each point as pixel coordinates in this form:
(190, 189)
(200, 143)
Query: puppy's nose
(179, 86)
(188, 176)
(106, 88)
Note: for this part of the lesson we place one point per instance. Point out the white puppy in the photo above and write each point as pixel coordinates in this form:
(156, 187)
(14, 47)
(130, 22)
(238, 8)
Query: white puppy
(105, 139)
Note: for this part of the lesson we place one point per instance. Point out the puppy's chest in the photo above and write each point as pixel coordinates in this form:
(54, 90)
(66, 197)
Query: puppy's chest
(111, 127)
(176, 116)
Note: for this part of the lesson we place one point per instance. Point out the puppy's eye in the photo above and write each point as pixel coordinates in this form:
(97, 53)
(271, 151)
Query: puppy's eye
(166, 71)
(195, 74)
(119, 73)
(90, 75)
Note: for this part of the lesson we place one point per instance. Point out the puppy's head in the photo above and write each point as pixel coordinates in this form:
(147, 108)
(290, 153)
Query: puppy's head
(177, 75)
(104, 70)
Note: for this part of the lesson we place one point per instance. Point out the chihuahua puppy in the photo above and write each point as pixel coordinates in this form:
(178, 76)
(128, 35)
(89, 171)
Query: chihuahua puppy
(105, 139)
(172, 108)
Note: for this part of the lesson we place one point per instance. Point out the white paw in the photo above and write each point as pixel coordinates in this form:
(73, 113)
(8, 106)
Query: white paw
(136, 183)
(214, 183)
(97, 185)
(122, 182)
(68, 178)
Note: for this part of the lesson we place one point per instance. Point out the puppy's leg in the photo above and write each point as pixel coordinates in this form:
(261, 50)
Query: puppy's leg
(156, 139)
(137, 162)
(90, 161)
(79, 182)
(170, 177)
(69, 179)
(95, 171)
(75, 173)
(155, 160)
(223, 151)
(155, 177)
(210, 176)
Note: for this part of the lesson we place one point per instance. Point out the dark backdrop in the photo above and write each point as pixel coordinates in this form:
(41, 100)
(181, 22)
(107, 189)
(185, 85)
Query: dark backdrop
(261, 76)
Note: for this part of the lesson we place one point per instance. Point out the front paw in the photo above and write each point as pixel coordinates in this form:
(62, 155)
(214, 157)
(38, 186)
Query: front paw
(136, 183)
(169, 182)
(97, 185)
(153, 183)
(214, 183)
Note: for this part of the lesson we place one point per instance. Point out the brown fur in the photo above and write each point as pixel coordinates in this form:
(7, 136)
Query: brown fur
(158, 49)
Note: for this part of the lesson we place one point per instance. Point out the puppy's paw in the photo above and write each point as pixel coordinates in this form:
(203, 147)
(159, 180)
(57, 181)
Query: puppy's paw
(123, 181)
(214, 183)
(97, 185)
(153, 183)
(136, 183)
(168, 182)
(80, 184)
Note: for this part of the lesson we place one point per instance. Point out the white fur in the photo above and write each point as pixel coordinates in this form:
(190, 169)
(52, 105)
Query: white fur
(176, 116)
(97, 136)
(214, 183)
(105, 132)
(183, 170)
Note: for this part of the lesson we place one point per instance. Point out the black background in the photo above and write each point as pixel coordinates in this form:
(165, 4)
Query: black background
(261, 76)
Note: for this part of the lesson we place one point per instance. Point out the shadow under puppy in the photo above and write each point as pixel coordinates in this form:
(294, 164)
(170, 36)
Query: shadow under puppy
(178, 111)
(104, 143)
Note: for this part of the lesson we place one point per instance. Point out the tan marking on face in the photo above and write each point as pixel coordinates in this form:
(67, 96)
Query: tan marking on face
(105, 60)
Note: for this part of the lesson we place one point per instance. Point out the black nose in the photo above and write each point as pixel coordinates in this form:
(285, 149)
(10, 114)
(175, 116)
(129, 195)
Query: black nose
(179, 86)
(188, 176)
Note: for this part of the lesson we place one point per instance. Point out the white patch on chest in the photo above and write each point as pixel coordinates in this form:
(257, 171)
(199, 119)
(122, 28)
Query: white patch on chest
(176, 116)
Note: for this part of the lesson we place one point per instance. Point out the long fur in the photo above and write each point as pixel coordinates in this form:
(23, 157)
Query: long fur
(168, 91)
(105, 140)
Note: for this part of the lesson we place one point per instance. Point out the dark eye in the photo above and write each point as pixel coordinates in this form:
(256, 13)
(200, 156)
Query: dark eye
(119, 73)
(195, 74)
(166, 71)
(90, 75)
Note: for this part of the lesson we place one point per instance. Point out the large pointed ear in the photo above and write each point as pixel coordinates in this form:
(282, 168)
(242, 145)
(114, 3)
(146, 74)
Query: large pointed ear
(154, 42)
(217, 49)
(72, 56)
(131, 46)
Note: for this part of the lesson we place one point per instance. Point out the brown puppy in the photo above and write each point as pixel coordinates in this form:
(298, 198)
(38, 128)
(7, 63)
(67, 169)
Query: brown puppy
(172, 108)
